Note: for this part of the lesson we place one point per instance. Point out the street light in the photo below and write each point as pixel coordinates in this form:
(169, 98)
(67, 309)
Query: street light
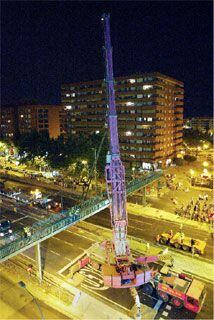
(205, 164)
(192, 172)
(23, 285)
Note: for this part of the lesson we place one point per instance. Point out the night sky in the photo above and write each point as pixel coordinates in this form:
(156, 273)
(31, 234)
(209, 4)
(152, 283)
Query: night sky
(45, 44)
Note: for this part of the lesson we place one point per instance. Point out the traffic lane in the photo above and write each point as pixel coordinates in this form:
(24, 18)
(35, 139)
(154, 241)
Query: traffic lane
(62, 248)
(75, 239)
(23, 208)
(46, 190)
(148, 228)
(51, 261)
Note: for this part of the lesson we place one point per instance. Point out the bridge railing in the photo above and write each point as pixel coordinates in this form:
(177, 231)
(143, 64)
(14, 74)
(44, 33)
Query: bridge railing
(44, 229)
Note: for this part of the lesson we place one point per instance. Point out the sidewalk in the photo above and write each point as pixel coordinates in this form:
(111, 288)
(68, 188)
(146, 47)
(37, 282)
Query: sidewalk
(161, 214)
(70, 301)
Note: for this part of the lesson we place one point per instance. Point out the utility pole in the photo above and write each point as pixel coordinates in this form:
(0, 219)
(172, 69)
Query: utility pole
(95, 168)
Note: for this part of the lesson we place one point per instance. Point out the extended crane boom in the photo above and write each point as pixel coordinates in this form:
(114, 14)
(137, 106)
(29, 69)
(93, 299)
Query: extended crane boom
(115, 172)
(120, 270)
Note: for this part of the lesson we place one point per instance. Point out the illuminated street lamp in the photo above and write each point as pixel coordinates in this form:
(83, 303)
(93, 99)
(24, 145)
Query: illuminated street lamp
(205, 164)
(23, 285)
(192, 172)
(84, 161)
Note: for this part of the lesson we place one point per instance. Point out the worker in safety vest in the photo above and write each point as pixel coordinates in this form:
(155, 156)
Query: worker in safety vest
(158, 238)
(170, 234)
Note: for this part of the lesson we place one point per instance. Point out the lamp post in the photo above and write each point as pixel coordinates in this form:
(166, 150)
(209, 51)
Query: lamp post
(95, 168)
(23, 285)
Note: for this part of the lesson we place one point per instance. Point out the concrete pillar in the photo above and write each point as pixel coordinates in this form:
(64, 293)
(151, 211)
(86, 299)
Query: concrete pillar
(38, 261)
(143, 192)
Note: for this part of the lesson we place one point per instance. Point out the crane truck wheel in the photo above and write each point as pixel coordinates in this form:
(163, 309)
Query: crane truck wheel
(163, 296)
(147, 288)
(177, 245)
(163, 240)
(177, 303)
(185, 248)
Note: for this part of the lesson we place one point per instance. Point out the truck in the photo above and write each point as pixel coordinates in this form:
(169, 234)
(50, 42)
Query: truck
(179, 289)
(180, 241)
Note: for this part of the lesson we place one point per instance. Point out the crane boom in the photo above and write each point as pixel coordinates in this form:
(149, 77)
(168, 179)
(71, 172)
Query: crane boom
(115, 171)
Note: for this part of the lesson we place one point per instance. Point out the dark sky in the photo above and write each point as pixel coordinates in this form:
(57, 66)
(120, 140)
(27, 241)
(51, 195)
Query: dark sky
(44, 44)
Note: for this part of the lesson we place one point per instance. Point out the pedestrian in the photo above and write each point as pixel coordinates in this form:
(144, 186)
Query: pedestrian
(147, 246)
(30, 270)
(158, 238)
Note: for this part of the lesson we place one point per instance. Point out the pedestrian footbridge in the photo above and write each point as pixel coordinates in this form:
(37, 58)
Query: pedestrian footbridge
(47, 228)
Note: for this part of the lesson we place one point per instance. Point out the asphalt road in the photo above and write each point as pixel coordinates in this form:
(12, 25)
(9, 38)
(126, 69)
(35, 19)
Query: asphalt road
(147, 229)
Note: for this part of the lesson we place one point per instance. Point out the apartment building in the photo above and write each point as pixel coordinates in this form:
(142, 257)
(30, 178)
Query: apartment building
(24, 118)
(8, 121)
(150, 115)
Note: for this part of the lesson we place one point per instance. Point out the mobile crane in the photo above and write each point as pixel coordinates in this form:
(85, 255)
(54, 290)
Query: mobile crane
(120, 270)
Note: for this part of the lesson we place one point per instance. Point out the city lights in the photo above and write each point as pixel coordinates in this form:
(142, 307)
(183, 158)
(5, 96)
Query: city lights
(205, 164)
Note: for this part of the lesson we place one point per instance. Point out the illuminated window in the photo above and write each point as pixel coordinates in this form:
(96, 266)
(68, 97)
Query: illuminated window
(22, 116)
(73, 94)
(139, 96)
(68, 107)
(149, 95)
(128, 133)
(67, 95)
(132, 80)
(149, 119)
(146, 87)
(97, 131)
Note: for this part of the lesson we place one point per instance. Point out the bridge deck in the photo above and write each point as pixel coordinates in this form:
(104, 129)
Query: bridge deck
(46, 228)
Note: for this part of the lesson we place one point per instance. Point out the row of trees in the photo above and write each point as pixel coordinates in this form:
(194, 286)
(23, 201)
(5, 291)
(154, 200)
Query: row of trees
(61, 153)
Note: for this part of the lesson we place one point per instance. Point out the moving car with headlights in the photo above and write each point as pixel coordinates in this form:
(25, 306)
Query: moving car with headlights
(5, 228)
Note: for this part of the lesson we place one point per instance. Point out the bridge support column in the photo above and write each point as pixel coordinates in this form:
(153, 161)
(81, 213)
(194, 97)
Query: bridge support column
(38, 261)
(143, 199)
(158, 188)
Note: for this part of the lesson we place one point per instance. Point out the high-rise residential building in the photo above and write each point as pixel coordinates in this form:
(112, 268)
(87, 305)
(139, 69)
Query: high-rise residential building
(40, 118)
(24, 118)
(150, 115)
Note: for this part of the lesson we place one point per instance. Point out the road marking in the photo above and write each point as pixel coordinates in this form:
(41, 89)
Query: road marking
(165, 313)
(20, 219)
(168, 307)
(55, 252)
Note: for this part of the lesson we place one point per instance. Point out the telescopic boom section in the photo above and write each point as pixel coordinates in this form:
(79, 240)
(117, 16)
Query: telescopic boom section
(115, 172)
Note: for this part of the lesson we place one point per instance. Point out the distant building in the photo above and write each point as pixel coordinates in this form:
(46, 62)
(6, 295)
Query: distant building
(24, 118)
(8, 121)
(202, 124)
(150, 115)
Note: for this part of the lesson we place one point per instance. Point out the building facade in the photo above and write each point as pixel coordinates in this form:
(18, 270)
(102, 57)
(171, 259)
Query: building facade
(150, 115)
(202, 124)
(8, 121)
(24, 118)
